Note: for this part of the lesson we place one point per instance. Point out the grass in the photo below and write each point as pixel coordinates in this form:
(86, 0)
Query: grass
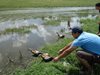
(91, 25)
(67, 66)
(36, 67)
(41, 68)
(45, 3)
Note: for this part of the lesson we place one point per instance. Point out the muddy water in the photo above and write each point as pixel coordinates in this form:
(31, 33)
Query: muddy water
(14, 46)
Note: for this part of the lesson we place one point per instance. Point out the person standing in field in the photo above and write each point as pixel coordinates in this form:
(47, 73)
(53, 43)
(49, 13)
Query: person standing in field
(97, 6)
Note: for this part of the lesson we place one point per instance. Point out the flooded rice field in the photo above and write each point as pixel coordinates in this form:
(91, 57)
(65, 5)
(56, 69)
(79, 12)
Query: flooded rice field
(21, 29)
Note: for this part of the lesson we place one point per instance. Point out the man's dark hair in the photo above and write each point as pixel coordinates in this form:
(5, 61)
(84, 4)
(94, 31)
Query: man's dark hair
(97, 5)
(77, 30)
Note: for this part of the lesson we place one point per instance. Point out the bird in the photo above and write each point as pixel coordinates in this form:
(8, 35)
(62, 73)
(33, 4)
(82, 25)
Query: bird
(46, 57)
(35, 53)
(60, 35)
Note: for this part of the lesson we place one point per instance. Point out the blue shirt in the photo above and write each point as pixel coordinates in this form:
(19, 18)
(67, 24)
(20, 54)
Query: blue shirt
(89, 42)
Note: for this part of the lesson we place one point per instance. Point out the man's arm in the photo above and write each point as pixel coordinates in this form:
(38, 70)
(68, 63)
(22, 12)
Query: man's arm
(66, 47)
(65, 53)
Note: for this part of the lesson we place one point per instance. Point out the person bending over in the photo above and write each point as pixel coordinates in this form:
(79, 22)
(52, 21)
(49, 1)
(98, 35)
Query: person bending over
(90, 44)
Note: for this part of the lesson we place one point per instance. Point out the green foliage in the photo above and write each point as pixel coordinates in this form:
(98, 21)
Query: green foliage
(45, 3)
(23, 29)
(37, 67)
(52, 22)
(90, 25)
(52, 49)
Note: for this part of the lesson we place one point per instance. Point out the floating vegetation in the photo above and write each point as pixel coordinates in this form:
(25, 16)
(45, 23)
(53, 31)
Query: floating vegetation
(56, 20)
(65, 17)
(23, 29)
(52, 22)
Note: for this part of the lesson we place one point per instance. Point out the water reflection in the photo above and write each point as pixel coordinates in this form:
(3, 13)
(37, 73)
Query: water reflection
(0, 57)
(19, 23)
(75, 21)
(18, 41)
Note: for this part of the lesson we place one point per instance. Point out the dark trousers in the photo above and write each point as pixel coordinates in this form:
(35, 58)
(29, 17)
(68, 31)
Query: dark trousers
(89, 57)
(99, 28)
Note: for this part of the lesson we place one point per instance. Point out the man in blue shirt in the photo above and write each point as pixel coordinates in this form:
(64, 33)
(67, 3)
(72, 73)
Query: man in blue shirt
(90, 44)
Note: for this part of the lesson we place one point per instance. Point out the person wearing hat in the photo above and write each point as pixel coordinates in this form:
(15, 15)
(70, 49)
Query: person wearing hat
(90, 44)
(97, 6)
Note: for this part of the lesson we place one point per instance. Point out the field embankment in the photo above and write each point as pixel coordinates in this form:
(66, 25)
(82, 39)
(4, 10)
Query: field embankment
(46, 3)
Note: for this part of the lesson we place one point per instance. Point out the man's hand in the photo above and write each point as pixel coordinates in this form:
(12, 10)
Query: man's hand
(55, 59)
(60, 51)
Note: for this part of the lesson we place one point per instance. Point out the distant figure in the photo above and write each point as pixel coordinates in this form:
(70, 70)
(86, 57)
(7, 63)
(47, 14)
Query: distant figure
(42, 17)
(69, 27)
(60, 35)
(97, 6)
